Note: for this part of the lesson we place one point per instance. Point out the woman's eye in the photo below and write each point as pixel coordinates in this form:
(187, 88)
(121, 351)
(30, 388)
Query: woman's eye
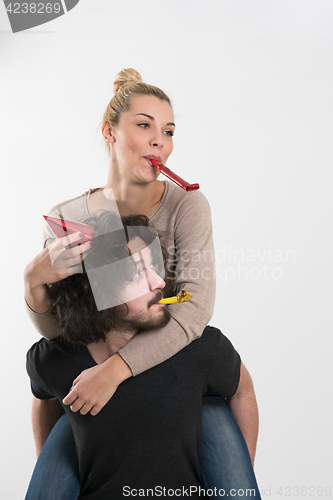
(169, 132)
(144, 125)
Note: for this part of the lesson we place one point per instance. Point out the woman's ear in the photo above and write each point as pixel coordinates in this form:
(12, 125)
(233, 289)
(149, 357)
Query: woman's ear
(107, 131)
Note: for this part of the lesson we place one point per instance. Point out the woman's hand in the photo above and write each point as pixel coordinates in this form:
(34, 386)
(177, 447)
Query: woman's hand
(94, 387)
(54, 263)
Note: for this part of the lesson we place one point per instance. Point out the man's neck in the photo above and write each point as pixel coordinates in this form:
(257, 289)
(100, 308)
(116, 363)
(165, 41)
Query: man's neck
(115, 340)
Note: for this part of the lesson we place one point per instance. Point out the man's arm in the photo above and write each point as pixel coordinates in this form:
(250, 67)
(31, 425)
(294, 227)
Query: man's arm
(243, 406)
(44, 415)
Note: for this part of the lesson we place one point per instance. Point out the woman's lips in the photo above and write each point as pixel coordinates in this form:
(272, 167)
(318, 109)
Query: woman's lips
(153, 157)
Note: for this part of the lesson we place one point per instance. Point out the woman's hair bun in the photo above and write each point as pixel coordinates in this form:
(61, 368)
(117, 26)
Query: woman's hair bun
(126, 76)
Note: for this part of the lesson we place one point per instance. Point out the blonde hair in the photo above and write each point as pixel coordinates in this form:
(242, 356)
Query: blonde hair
(127, 84)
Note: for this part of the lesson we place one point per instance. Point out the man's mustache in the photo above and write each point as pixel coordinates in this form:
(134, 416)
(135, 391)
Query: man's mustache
(156, 299)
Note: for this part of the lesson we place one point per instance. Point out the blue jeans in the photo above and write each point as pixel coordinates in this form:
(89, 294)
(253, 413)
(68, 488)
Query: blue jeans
(56, 473)
(225, 461)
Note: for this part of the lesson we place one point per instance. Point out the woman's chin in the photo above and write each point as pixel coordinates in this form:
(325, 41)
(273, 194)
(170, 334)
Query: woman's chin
(148, 178)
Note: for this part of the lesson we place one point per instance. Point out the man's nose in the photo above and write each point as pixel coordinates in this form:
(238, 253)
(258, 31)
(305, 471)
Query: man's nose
(155, 281)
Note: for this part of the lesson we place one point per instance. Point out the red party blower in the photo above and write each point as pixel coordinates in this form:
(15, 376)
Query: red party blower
(62, 227)
(174, 177)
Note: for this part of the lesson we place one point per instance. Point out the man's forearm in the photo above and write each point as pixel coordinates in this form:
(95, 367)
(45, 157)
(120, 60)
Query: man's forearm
(44, 415)
(244, 408)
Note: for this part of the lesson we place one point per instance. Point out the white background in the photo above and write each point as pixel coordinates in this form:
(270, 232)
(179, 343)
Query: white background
(251, 83)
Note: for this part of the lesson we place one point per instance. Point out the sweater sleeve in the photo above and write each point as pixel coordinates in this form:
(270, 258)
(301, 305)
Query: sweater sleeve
(73, 209)
(44, 323)
(190, 259)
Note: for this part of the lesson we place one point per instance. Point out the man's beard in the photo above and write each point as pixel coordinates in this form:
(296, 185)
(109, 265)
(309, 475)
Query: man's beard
(143, 321)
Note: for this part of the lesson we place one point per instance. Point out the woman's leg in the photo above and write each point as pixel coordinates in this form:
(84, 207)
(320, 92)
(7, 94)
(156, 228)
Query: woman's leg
(225, 460)
(56, 474)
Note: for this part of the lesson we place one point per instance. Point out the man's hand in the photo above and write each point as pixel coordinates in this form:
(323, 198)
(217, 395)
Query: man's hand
(94, 387)
(243, 406)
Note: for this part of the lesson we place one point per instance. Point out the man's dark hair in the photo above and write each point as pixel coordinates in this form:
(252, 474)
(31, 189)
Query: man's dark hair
(72, 301)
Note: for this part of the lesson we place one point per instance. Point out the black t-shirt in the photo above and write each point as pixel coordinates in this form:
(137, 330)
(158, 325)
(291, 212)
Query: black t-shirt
(148, 436)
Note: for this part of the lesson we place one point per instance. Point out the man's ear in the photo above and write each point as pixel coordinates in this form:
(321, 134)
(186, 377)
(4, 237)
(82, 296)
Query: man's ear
(108, 132)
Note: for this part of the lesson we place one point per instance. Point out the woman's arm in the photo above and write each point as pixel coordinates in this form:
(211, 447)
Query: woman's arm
(53, 264)
(94, 387)
(186, 232)
(187, 229)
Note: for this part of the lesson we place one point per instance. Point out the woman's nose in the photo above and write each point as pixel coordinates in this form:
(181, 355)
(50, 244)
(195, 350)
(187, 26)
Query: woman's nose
(157, 140)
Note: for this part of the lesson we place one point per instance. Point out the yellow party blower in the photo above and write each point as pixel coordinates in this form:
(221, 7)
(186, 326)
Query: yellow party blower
(183, 297)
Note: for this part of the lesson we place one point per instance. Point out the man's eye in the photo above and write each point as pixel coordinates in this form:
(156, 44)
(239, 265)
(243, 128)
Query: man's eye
(138, 274)
(158, 269)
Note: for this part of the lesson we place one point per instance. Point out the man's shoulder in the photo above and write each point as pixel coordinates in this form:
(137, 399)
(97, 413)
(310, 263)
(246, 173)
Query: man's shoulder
(41, 349)
(211, 355)
(207, 345)
(212, 344)
(46, 351)
(56, 363)
(213, 336)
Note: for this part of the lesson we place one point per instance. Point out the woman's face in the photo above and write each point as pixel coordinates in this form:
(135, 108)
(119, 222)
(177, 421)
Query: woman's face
(144, 132)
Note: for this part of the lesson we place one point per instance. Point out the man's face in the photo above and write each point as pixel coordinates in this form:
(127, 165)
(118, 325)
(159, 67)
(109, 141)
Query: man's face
(144, 311)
